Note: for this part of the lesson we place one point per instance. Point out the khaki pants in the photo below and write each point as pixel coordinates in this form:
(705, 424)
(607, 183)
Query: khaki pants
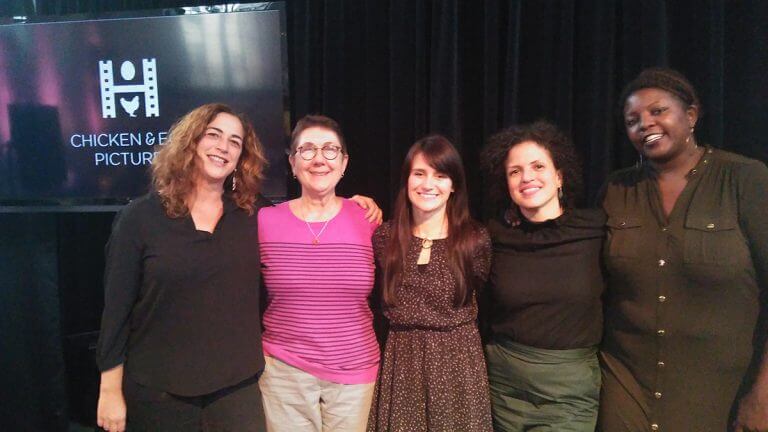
(295, 401)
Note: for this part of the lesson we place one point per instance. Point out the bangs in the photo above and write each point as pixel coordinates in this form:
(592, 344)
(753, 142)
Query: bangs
(440, 154)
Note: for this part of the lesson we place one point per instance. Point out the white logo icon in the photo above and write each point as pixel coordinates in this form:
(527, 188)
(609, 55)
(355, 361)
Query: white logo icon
(129, 105)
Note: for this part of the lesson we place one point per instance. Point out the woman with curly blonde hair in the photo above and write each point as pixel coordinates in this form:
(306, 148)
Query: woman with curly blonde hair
(173, 168)
(180, 344)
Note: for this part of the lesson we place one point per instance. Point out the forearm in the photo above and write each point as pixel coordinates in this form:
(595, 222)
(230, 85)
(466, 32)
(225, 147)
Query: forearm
(753, 182)
(112, 380)
(122, 283)
(753, 407)
(761, 379)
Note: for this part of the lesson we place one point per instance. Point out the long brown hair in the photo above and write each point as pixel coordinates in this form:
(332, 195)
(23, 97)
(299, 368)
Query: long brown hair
(174, 167)
(462, 239)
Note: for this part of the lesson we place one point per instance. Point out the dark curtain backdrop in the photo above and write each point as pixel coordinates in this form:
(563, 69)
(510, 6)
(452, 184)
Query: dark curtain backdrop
(392, 71)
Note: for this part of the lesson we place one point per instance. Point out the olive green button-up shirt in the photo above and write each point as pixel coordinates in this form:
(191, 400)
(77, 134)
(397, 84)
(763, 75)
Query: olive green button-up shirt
(683, 294)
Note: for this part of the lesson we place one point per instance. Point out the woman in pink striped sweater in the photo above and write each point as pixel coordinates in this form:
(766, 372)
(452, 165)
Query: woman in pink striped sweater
(321, 353)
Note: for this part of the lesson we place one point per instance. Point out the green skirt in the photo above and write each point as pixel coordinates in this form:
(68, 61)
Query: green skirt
(534, 389)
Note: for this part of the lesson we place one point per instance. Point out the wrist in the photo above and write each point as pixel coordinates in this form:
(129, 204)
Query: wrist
(108, 390)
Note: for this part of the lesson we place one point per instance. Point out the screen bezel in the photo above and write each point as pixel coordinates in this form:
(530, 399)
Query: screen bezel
(89, 205)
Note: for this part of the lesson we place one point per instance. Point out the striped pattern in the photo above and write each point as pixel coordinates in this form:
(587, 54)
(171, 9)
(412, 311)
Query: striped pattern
(318, 318)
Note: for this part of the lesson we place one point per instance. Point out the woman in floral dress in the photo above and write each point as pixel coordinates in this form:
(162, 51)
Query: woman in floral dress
(432, 258)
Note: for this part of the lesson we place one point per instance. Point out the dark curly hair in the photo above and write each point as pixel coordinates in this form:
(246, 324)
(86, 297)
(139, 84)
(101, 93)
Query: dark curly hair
(547, 135)
(665, 79)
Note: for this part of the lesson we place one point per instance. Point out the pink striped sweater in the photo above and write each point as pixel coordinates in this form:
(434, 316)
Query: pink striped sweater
(318, 318)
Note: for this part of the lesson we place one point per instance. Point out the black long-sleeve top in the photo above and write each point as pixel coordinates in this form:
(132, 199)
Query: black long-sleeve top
(546, 281)
(181, 306)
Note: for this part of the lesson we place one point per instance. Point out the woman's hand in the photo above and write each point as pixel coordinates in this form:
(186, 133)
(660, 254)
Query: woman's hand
(110, 414)
(753, 413)
(373, 212)
(111, 409)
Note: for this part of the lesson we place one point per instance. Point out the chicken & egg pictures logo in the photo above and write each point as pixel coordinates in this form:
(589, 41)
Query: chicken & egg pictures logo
(127, 95)
(127, 98)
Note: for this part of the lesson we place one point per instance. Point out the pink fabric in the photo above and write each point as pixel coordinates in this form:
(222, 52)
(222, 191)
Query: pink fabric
(318, 318)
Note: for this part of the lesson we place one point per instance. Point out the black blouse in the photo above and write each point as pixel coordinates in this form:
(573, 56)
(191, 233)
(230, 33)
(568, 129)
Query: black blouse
(546, 281)
(181, 306)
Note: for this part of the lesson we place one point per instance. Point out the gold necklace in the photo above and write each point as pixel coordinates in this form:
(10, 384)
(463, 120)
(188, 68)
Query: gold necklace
(315, 237)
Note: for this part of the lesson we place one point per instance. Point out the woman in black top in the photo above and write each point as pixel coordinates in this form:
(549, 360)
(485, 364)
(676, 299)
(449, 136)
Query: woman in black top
(545, 313)
(180, 345)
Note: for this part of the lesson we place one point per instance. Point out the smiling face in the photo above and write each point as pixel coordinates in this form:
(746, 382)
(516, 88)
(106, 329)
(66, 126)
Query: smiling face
(318, 176)
(218, 150)
(428, 189)
(533, 181)
(658, 124)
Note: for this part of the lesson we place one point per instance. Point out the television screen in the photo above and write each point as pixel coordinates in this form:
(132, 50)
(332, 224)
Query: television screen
(85, 103)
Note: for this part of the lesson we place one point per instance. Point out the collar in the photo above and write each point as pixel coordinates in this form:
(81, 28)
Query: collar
(513, 218)
(705, 160)
(647, 171)
(229, 203)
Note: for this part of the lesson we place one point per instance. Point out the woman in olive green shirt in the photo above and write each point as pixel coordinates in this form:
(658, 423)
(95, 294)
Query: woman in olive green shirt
(687, 261)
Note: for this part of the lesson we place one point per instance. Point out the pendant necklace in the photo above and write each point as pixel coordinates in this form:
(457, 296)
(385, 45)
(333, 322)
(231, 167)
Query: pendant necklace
(315, 237)
(425, 254)
(426, 242)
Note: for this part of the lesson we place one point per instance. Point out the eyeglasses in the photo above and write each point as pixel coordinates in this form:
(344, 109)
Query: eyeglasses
(329, 152)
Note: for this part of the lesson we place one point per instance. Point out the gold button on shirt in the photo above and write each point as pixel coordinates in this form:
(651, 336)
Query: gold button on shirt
(711, 256)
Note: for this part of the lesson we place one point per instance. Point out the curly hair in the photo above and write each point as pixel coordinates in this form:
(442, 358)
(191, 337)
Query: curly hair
(548, 136)
(174, 166)
(665, 79)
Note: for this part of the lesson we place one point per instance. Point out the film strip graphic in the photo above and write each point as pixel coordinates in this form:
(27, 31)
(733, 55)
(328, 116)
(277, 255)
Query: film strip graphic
(148, 88)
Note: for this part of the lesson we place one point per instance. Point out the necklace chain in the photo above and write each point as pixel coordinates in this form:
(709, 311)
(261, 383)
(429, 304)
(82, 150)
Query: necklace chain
(315, 237)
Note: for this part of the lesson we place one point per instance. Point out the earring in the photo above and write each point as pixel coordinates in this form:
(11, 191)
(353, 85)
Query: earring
(688, 140)
(639, 163)
(342, 173)
(294, 176)
(511, 217)
(234, 179)
(560, 193)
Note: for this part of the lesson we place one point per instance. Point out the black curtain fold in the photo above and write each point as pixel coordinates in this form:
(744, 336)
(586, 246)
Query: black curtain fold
(466, 69)
(392, 71)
